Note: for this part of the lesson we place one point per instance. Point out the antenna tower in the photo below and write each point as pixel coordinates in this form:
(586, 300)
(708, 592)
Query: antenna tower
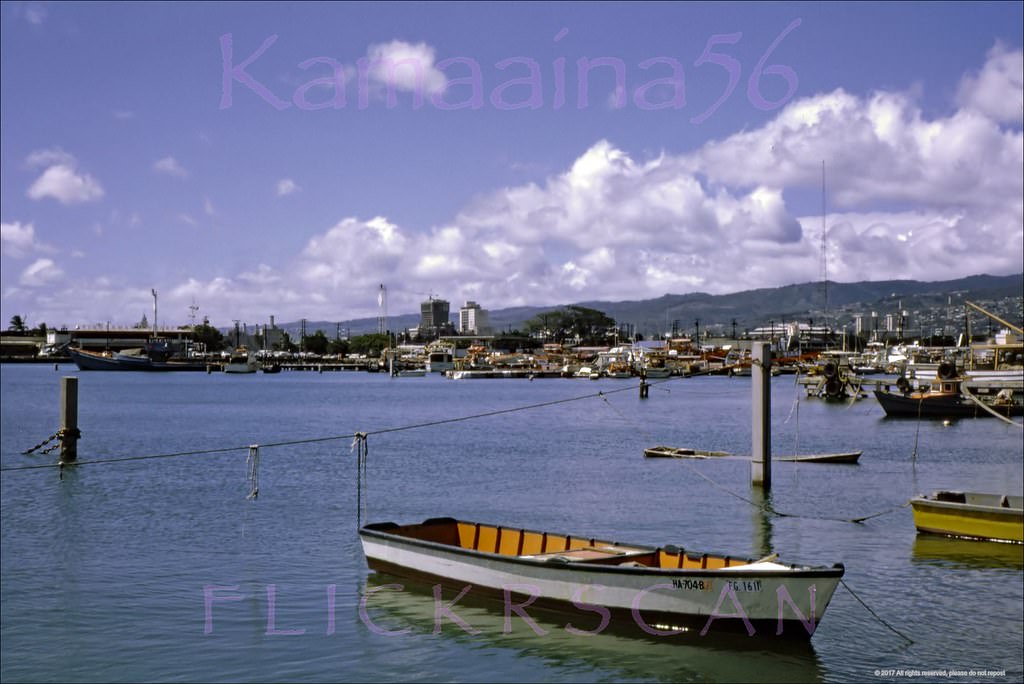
(824, 243)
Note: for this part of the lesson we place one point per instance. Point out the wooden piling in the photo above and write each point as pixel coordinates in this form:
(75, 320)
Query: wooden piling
(761, 427)
(68, 419)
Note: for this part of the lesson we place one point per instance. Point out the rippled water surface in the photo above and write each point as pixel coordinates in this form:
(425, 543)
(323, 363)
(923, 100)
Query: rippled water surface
(103, 571)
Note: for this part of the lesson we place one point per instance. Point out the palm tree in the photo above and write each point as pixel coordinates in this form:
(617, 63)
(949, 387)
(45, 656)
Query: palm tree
(17, 324)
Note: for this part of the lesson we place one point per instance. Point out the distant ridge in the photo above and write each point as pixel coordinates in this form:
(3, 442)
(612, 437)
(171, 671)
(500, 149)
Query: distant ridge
(750, 308)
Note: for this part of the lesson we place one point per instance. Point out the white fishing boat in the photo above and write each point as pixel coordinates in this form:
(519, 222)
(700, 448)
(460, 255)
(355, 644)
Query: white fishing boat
(440, 359)
(241, 361)
(661, 590)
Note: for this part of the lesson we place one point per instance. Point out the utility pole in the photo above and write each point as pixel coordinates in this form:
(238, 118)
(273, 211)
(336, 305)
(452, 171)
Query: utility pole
(154, 312)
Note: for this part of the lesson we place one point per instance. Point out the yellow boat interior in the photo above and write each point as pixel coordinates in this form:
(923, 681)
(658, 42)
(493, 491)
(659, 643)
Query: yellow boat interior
(529, 544)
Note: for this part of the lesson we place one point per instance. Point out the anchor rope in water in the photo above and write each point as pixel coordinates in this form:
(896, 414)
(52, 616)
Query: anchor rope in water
(873, 613)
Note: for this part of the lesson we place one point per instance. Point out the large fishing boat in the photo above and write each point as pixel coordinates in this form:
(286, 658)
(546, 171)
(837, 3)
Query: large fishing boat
(153, 357)
(660, 590)
(946, 397)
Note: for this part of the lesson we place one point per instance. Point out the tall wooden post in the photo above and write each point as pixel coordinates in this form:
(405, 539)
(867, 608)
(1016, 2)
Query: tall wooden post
(761, 427)
(68, 419)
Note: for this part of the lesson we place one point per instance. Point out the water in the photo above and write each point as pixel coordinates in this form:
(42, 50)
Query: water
(103, 572)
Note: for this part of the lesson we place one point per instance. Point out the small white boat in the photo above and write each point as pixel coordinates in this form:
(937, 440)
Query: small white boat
(848, 457)
(411, 373)
(681, 452)
(660, 590)
(241, 361)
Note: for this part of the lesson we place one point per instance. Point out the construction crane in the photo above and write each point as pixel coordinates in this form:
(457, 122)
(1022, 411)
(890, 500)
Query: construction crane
(995, 318)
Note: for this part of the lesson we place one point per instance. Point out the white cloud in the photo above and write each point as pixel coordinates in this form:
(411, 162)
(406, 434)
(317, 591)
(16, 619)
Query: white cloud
(50, 156)
(405, 66)
(286, 186)
(66, 185)
(186, 218)
(123, 114)
(877, 148)
(41, 272)
(170, 167)
(17, 239)
(998, 89)
(208, 207)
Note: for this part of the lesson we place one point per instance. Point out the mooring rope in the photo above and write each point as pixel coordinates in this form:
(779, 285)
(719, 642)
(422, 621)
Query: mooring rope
(967, 392)
(873, 613)
(331, 438)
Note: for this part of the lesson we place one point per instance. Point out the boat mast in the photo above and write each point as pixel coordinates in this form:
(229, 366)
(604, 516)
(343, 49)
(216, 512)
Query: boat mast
(154, 312)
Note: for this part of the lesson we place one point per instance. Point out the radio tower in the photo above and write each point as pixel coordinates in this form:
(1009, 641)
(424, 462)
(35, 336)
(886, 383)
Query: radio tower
(382, 310)
(824, 243)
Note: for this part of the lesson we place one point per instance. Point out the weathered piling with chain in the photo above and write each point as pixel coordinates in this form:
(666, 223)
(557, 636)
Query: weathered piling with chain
(761, 426)
(68, 419)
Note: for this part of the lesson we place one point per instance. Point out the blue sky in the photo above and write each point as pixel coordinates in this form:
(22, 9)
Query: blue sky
(139, 151)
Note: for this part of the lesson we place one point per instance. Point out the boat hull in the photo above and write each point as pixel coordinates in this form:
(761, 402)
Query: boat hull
(94, 361)
(848, 458)
(681, 452)
(656, 601)
(943, 406)
(970, 518)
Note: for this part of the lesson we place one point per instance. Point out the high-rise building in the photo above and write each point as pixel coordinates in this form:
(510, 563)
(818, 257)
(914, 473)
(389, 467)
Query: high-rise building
(434, 318)
(473, 320)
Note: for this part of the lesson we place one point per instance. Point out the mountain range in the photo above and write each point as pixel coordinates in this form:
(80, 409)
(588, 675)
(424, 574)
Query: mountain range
(751, 308)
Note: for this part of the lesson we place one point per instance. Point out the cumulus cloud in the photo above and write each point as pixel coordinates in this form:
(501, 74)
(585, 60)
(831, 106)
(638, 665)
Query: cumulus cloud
(61, 180)
(286, 186)
(404, 66)
(17, 239)
(876, 148)
(170, 167)
(41, 272)
(997, 91)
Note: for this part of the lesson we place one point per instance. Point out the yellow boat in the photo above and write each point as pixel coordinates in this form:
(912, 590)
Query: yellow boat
(972, 515)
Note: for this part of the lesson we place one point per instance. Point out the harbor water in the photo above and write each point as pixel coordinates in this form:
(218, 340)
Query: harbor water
(163, 570)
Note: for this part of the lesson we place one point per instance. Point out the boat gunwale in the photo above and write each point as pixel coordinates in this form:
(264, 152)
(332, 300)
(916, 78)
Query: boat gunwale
(1003, 511)
(380, 530)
